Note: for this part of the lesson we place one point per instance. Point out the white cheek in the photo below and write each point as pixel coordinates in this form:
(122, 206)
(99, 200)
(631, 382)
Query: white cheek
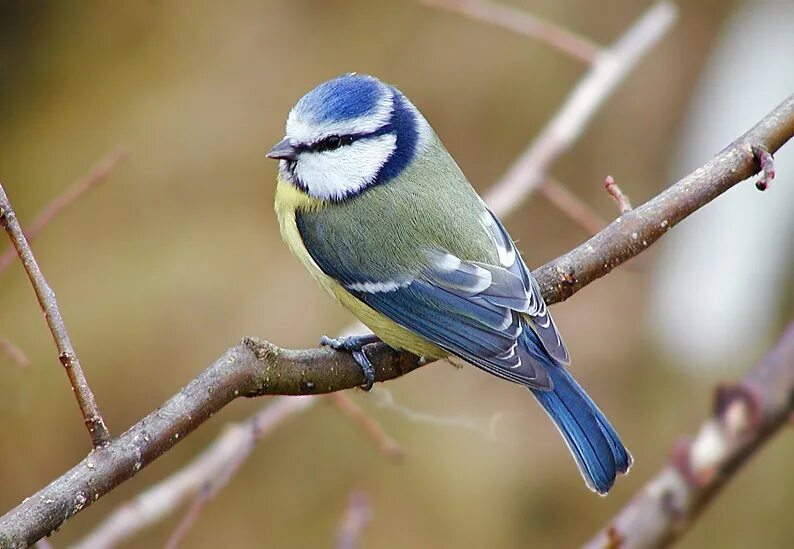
(347, 170)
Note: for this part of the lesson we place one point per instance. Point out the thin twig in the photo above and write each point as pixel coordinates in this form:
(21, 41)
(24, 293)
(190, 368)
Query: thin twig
(162, 499)
(255, 368)
(572, 206)
(745, 416)
(208, 491)
(85, 397)
(609, 69)
(767, 164)
(645, 224)
(621, 200)
(258, 426)
(72, 194)
(371, 428)
(357, 516)
(523, 23)
(13, 352)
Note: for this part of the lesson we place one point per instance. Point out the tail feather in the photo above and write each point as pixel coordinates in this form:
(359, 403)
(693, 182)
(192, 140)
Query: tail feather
(595, 445)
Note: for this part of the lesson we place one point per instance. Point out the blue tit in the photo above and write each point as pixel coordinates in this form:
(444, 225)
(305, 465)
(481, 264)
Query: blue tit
(374, 206)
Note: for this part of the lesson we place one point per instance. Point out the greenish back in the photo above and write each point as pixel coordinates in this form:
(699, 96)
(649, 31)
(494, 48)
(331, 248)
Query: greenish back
(387, 231)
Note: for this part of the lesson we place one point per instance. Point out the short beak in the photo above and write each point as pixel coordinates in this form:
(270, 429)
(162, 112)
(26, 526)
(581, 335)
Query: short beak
(283, 150)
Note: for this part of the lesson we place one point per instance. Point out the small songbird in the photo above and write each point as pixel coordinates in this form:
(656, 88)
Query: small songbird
(374, 206)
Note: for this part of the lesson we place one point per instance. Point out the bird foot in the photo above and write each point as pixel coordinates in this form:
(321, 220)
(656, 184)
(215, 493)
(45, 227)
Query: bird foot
(355, 345)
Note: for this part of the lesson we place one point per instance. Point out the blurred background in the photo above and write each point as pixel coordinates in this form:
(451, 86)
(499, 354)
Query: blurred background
(177, 256)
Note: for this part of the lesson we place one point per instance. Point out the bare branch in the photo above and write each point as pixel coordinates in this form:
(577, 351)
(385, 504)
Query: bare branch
(767, 164)
(609, 69)
(68, 197)
(13, 352)
(387, 446)
(634, 231)
(524, 23)
(255, 368)
(85, 397)
(357, 515)
(621, 200)
(745, 416)
(579, 212)
(158, 501)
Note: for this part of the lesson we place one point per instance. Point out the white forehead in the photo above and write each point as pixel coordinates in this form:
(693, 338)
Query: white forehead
(305, 126)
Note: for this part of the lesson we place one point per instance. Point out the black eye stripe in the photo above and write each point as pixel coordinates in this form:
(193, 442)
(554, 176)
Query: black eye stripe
(332, 142)
(335, 141)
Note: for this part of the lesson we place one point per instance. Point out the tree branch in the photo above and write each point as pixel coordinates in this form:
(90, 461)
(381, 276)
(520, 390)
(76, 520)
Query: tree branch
(255, 367)
(77, 190)
(234, 443)
(607, 71)
(357, 516)
(386, 445)
(745, 416)
(13, 352)
(617, 195)
(634, 231)
(85, 397)
(576, 209)
(524, 23)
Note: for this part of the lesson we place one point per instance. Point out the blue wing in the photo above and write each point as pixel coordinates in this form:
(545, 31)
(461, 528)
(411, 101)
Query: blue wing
(491, 316)
(473, 310)
(542, 323)
(465, 311)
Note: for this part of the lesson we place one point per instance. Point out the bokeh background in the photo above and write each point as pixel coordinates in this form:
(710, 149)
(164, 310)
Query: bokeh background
(177, 256)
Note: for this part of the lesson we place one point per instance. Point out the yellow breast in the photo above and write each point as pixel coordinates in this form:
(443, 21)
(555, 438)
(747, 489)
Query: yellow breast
(290, 199)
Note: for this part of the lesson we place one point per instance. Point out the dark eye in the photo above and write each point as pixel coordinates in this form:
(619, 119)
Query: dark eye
(332, 142)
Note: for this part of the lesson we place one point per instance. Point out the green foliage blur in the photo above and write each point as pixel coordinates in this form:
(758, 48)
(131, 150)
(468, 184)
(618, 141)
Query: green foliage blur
(177, 256)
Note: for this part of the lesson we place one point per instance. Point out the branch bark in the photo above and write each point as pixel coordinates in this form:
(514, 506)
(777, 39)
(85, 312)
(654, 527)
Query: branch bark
(255, 367)
(745, 416)
(634, 231)
(85, 397)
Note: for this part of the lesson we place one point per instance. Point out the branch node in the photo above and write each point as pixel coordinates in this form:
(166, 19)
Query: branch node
(739, 407)
(617, 195)
(307, 386)
(6, 216)
(766, 165)
(263, 350)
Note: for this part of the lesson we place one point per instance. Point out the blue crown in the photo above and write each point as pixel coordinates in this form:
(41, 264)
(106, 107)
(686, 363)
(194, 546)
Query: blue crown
(345, 97)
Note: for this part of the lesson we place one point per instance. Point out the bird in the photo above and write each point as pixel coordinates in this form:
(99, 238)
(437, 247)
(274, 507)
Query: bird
(370, 201)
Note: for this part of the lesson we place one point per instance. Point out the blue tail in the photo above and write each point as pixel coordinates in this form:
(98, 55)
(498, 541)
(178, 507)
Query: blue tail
(595, 445)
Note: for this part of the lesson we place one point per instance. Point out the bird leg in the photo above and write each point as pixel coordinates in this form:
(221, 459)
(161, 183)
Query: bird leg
(355, 344)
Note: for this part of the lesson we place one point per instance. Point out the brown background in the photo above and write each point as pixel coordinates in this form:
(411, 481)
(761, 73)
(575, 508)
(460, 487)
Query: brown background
(178, 256)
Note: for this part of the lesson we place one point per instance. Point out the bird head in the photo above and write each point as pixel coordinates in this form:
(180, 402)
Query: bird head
(348, 135)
